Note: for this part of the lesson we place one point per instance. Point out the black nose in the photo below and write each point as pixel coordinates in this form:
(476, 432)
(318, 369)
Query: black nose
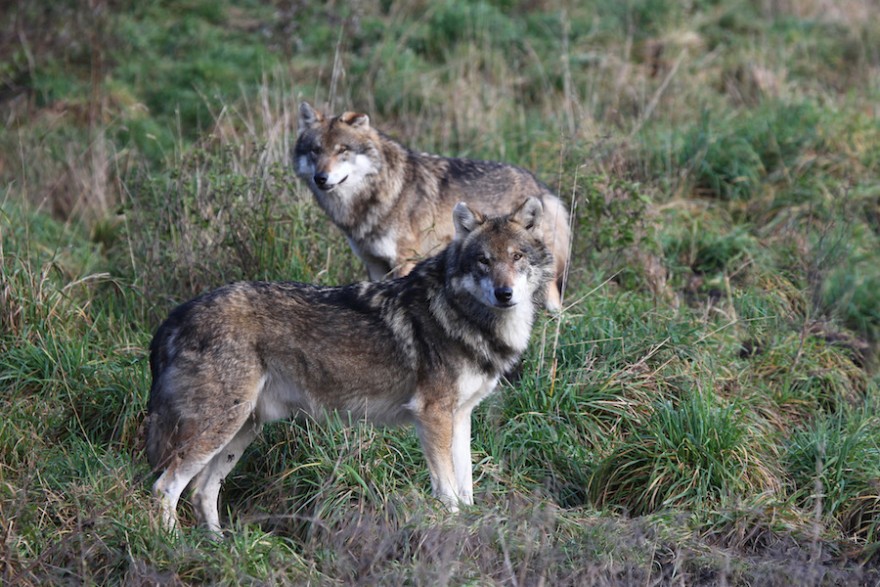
(503, 294)
(321, 179)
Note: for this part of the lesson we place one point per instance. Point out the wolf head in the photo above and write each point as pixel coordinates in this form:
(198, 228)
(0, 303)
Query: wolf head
(334, 155)
(503, 262)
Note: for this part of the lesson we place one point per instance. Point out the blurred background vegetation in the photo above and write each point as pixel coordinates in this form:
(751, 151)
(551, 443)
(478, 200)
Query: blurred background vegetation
(703, 412)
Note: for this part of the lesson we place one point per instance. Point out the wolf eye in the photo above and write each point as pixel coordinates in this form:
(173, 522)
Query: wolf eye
(517, 256)
(342, 149)
(483, 260)
(315, 149)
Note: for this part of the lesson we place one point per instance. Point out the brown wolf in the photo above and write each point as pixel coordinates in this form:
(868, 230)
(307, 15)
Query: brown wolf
(395, 205)
(425, 348)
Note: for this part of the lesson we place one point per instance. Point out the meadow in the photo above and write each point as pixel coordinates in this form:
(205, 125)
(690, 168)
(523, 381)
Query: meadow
(703, 411)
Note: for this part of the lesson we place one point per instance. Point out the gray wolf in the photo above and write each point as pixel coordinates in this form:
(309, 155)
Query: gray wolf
(425, 349)
(394, 205)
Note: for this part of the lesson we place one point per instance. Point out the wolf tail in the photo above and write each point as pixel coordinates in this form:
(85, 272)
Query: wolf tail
(161, 355)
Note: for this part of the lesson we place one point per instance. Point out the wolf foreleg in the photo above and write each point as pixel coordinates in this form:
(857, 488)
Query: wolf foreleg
(435, 433)
(461, 456)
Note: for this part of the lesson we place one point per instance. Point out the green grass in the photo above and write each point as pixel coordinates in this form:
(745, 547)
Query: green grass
(703, 412)
(838, 455)
(695, 453)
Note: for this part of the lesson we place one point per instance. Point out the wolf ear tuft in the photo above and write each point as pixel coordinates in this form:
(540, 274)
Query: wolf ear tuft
(308, 117)
(356, 120)
(529, 214)
(465, 220)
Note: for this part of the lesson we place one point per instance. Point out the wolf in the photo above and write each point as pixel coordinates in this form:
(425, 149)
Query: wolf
(424, 349)
(394, 205)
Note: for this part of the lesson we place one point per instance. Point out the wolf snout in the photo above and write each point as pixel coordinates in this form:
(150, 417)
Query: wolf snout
(504, 295)
(322, 180)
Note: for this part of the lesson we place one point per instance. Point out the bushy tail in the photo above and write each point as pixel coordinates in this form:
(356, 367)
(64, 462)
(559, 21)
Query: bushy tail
(157, 437)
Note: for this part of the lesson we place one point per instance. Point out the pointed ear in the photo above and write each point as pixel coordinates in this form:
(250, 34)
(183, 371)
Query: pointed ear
(465, 220)
(529, 214)
(356, 120)
(308, 117)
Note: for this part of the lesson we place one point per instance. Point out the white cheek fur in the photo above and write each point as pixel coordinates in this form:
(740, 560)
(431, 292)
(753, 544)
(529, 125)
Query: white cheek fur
(520, 289)
(339, 173)
(354, 173)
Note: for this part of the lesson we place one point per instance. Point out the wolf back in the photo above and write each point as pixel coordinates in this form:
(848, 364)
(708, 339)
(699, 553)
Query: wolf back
(394, 204)
(423, 349)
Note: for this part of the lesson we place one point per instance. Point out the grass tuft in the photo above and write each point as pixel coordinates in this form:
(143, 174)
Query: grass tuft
(696, 452)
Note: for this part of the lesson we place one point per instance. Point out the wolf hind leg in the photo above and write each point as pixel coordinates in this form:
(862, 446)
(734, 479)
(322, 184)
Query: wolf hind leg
(554, 298)
(170, 485)
(207, 483)
(191, 454)
(557, 237)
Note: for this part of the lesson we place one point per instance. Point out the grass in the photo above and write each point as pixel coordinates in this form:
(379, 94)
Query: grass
(703, 412)
(695, 453)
